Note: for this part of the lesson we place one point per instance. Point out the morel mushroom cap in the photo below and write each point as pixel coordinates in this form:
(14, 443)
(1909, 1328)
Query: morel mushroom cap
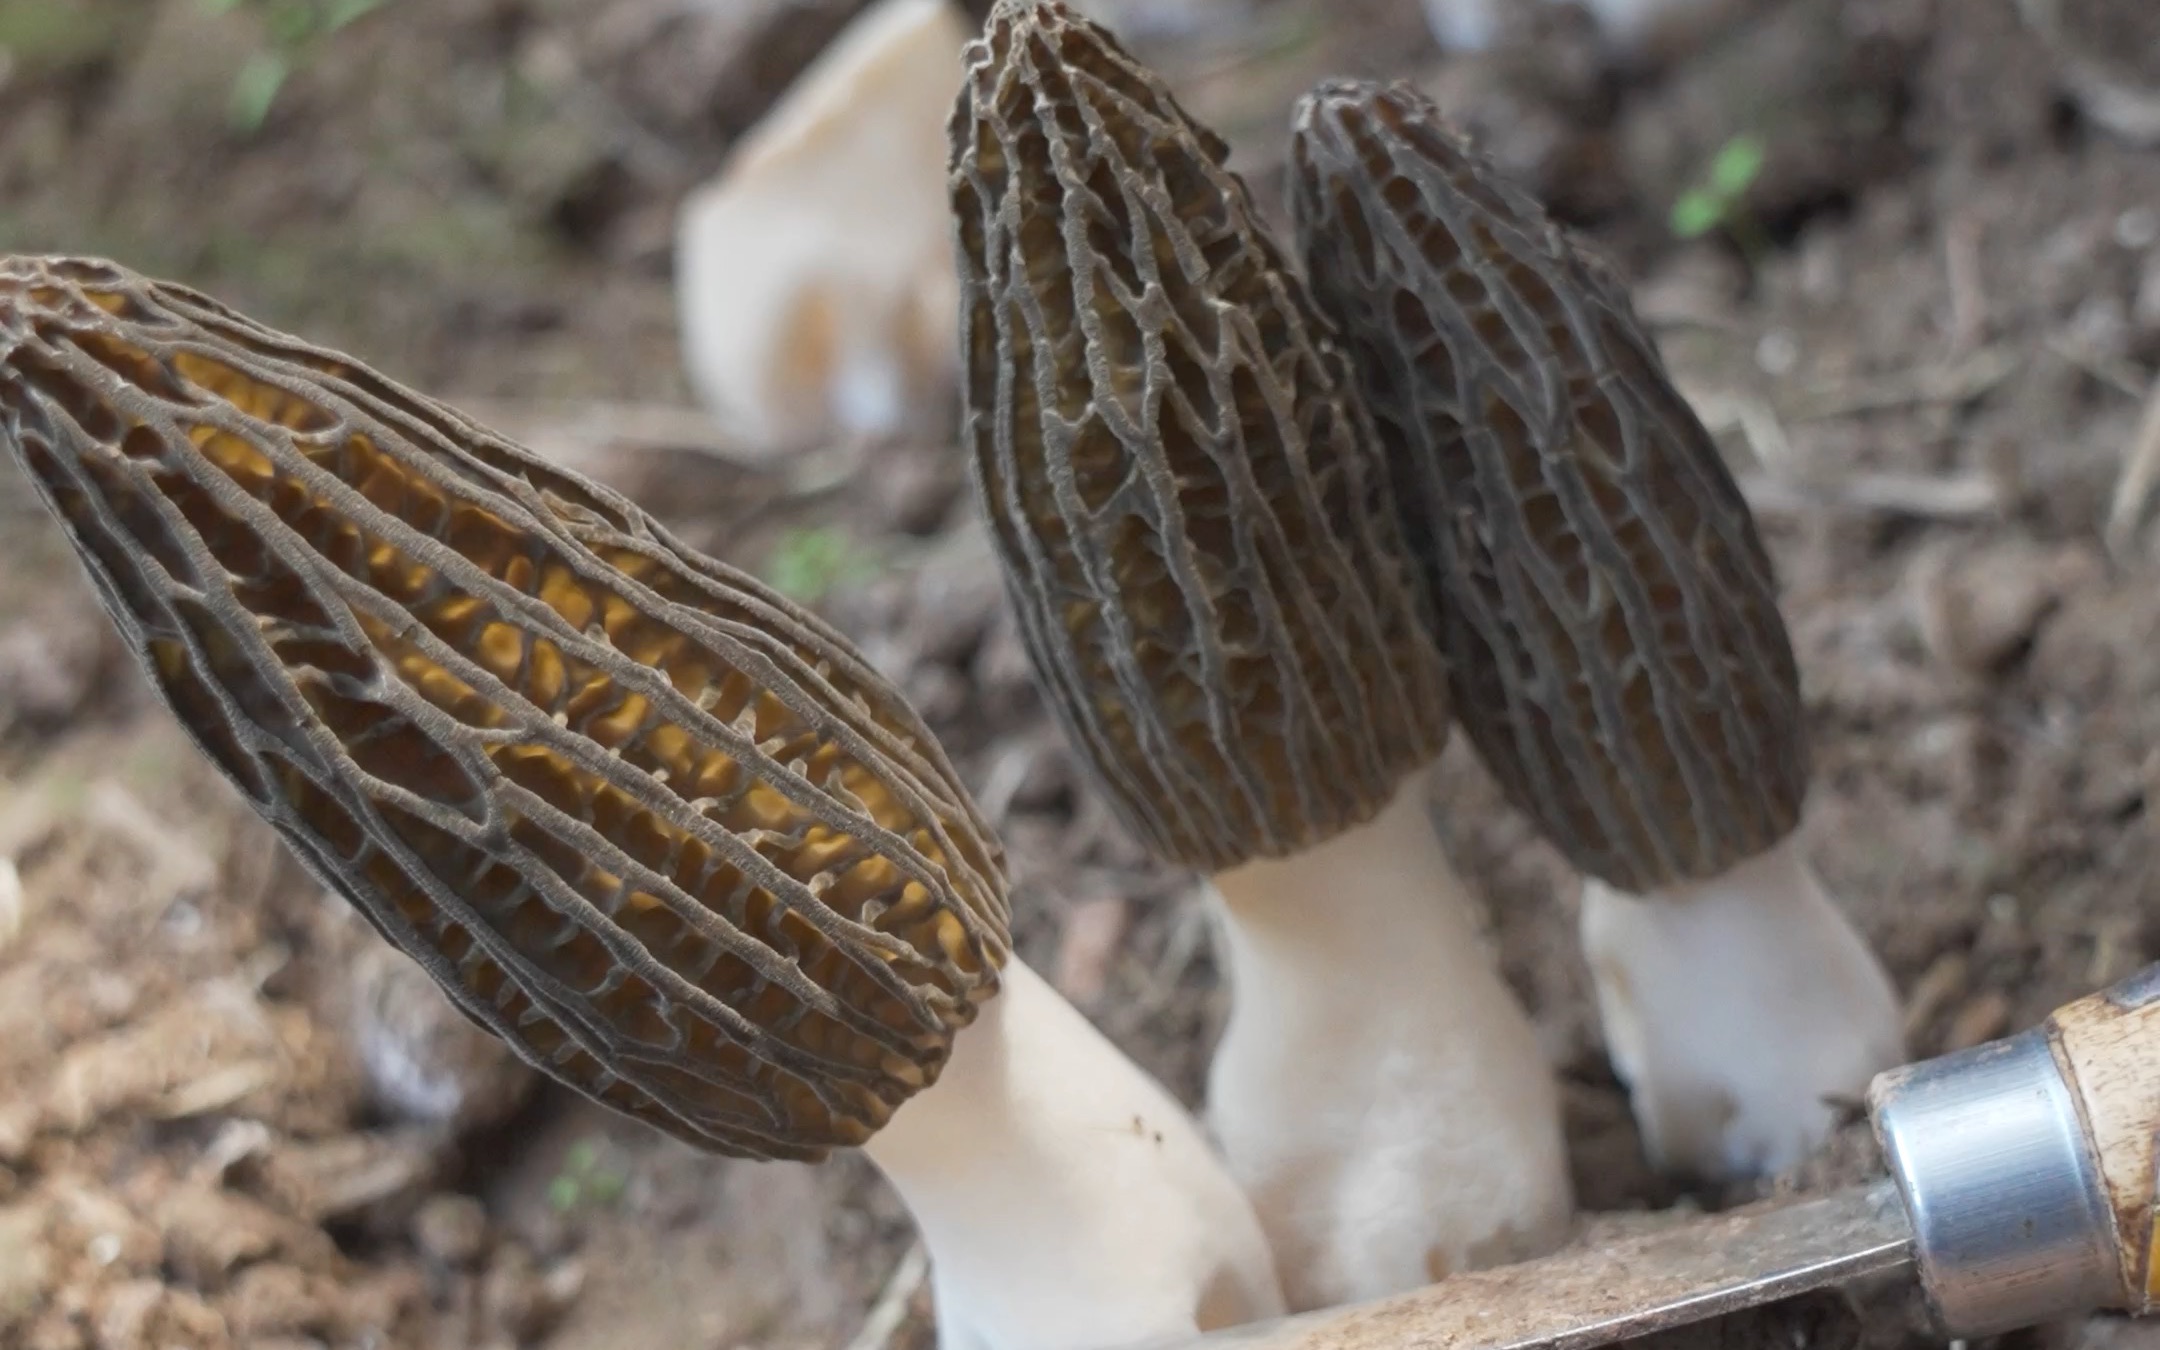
(1195, 525)
(646, 820)
(1181, 485)
(1606, 606)
(1612, 629)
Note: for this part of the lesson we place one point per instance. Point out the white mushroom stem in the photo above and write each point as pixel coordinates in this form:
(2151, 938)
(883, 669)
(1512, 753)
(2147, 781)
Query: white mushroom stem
(1067, 1200)
(1378, 1090)
(1733, 1008)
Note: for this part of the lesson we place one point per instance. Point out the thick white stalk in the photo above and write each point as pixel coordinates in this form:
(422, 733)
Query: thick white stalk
(1067, 1200)
(1378, 1090)
(1733, 1008)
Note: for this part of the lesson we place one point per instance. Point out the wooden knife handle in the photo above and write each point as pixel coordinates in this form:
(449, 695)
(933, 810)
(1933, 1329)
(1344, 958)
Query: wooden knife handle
(2109, 1048)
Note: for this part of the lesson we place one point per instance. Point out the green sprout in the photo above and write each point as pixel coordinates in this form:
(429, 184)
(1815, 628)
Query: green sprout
(297, 30)
(1717, 199)
(587, 1178)
(807, 563)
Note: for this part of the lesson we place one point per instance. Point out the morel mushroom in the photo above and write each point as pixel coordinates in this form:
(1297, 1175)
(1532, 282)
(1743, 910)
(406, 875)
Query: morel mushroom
(662, 831)
(1611, 625)
(1194, 526)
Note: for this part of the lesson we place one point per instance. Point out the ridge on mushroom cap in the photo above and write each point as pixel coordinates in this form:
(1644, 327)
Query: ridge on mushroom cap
(1605, 602)
(1181, 484)
(658, 828)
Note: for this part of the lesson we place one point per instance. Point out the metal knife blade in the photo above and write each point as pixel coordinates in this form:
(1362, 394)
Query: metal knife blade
(1594, 1295)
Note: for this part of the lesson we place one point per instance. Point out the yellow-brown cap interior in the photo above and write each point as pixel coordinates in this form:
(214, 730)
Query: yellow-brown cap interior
(1180, 481)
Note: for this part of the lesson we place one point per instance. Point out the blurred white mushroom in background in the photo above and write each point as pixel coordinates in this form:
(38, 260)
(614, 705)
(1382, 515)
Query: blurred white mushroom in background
(814, 274)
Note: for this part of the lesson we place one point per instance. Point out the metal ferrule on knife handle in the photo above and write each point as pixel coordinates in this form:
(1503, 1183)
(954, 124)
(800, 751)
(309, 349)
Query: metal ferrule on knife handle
(2027, 1165)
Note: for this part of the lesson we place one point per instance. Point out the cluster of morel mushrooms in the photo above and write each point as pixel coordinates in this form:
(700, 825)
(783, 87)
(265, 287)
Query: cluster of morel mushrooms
(1267, 537)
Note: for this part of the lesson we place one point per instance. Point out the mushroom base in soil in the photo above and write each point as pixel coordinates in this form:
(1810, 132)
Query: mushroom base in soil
(1738, 1011)
(1066, 1200)
(1446, 1152)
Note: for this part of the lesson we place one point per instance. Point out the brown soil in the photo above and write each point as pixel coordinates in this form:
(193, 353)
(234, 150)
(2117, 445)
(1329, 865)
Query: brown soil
(227, 1120)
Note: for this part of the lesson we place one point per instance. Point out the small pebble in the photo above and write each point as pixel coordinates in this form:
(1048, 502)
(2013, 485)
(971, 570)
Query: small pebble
(1948, 757)
(1978, 610)
(1777, 353)
(451, 1229)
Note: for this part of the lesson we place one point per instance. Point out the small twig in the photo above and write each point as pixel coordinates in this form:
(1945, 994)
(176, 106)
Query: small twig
(2140, 475)
(1957, 382)
(1756, 421)
(890, 1312)
(1950, 498)
(2114, 372)
(1968, 292)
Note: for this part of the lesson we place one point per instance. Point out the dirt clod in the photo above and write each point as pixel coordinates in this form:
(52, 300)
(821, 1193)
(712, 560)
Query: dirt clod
(1979, 608)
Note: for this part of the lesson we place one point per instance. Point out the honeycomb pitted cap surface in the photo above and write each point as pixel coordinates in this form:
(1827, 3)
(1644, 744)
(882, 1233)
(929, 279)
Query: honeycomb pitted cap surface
(659, 829)
(1606, 605)
(1181, 484)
